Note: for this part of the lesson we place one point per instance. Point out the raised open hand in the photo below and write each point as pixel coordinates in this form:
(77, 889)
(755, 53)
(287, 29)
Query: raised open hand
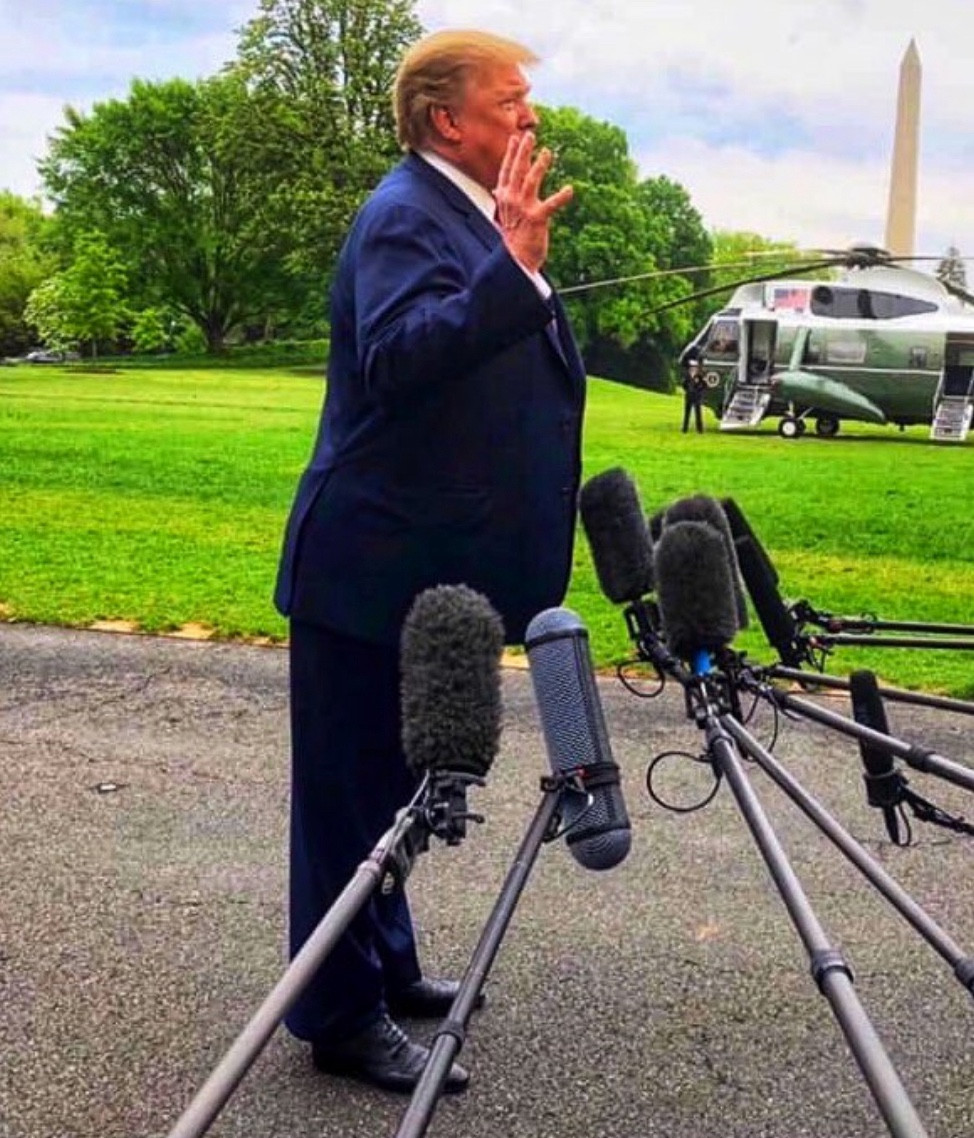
(523, 216)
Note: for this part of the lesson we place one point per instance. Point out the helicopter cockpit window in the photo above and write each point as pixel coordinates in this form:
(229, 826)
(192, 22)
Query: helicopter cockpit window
(724, 339)
(865, 304)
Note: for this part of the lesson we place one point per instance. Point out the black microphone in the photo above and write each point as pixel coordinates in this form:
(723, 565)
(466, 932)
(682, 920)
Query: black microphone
(618, 536)
(884, 784)
(741, 528)
(695, 591)
(450, 651)
(761, 580)
(700, 508)
(576, 738)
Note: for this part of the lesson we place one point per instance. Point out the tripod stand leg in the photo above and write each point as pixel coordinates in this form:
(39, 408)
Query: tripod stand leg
(898, 897)
(451, 1033)
(227, 1075)
(831, 973)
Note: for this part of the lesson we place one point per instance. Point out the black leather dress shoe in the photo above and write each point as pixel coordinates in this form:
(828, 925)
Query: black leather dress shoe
(385, 1056)
(426, 998)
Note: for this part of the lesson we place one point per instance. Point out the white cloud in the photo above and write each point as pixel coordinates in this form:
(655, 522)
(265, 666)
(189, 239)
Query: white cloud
(776, 116)
(26, 121)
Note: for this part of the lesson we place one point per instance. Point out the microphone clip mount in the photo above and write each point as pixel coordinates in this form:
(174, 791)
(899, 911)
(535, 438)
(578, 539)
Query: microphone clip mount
(445, 812)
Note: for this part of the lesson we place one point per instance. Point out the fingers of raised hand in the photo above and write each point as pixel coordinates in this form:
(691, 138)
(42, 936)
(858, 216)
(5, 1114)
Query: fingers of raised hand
(558, 200)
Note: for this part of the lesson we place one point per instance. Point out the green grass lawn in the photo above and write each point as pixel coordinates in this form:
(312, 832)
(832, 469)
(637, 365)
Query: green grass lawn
(159, 497)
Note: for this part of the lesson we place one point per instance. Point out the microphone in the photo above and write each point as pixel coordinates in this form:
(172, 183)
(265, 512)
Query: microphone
(884, 784)
(695, 591)
(450, 698)
(761, 580)
(740, 528)
(450, 651)
(576, 738)
(700, 508)
(618, 536)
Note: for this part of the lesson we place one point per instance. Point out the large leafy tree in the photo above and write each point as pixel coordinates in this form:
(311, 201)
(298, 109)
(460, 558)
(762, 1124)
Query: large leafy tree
(159, 176)
(610, 245)
(25, 261)
(321, 72)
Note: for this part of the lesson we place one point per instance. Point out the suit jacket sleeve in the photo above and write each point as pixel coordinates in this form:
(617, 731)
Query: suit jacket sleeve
(424, 314)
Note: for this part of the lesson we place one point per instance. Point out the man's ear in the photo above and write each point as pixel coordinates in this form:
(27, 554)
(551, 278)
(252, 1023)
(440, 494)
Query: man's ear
(444, 123)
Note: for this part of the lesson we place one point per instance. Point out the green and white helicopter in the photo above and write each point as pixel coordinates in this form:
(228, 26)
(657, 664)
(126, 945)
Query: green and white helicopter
(880, 343)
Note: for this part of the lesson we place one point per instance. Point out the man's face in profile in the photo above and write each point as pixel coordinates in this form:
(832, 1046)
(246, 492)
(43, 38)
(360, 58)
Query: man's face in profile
(494, 106)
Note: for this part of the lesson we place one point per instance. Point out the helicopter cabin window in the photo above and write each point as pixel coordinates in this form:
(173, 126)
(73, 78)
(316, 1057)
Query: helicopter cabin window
(845, 349)
(865, 304)
(724, 339)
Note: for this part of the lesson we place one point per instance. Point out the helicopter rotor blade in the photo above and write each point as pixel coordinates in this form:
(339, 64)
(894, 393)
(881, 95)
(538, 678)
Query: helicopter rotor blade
(794, 270)
(655, 274)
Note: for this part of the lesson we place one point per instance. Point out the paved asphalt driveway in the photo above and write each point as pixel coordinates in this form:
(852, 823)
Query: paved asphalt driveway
(143, 842)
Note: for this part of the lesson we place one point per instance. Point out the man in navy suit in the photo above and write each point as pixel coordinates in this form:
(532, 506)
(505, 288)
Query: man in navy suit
(448, 452)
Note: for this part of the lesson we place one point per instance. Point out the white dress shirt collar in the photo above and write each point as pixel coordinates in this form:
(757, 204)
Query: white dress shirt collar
(481, 198)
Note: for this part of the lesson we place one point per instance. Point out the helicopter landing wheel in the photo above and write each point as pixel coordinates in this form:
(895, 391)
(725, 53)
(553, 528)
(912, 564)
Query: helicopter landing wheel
(826, 426)
(790, 427)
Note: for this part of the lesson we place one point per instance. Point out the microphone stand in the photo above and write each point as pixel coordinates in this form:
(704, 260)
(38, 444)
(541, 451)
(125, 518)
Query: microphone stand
(914, 756)
(829, 969)
(962, 964)
(829, 640)
(897, 695)
(805, 613)
(437, 808)
(451, 1034)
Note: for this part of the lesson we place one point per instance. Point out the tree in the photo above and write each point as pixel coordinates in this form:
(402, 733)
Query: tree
(321, 72)
(83, 304)
(618, 228)
(740, 255)
(951, 269)
(155, 174)
(25, 262)
(46, 311)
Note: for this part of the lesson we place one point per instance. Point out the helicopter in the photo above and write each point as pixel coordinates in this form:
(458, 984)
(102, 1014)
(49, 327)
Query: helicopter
(878, 342)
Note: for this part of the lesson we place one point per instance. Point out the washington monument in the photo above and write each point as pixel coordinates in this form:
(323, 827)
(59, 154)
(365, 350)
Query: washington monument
(901, 213)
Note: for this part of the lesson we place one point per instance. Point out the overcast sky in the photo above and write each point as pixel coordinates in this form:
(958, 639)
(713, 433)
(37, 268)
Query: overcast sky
(776, 115)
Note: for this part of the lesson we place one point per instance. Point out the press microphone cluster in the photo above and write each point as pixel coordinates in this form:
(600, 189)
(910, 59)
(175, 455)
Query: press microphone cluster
(685, 553)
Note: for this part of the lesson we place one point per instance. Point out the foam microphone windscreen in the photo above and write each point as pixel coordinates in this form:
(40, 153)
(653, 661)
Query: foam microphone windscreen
(694, 589)
(450, 652)
(613, 520)
(576, 738)
(700, 508)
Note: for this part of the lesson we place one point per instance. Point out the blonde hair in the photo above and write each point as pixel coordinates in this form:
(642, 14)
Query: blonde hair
(435, 70)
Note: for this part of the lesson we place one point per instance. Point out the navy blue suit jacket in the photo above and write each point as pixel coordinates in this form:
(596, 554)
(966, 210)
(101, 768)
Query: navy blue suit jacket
(448, 450)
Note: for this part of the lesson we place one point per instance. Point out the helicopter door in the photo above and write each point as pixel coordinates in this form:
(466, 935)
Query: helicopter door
(751, 394)
(954, 402)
